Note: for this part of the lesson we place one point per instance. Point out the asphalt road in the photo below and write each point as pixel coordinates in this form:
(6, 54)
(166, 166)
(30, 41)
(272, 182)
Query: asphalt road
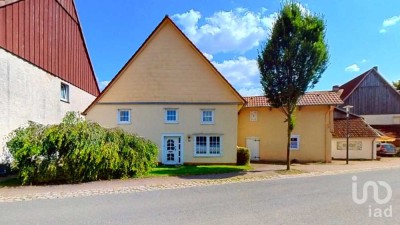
(303, 200)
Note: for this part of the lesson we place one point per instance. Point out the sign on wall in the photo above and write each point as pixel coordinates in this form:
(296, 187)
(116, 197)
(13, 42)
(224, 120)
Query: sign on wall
(353, 145)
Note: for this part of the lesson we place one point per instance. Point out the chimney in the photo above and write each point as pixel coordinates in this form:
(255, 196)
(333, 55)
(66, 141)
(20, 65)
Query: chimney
(335, 88)
(375, 68)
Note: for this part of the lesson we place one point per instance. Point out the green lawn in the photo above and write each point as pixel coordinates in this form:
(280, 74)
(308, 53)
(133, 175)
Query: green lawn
(195, 170)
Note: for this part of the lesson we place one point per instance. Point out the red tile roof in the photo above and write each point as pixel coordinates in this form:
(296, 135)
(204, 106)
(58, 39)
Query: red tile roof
(309, 99)
(357, 128)
(350, 86)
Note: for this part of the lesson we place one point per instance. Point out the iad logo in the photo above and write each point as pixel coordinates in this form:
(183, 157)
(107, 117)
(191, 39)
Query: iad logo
(373, 212)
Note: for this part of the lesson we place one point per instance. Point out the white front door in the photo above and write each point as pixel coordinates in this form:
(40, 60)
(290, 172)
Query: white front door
(172, 150)
(253, 143)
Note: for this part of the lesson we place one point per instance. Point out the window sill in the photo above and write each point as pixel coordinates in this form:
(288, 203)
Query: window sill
(64, 100)
(207, 156)
(171, 122)
(202, 123)
(124, 123)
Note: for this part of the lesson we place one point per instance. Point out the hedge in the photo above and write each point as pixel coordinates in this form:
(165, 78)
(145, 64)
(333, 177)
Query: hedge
(243, 156)
(77, 151)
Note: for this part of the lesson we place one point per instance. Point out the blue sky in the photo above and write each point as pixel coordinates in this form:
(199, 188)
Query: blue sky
(360, 35)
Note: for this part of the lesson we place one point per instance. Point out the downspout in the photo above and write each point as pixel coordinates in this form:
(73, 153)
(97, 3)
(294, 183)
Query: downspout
(373, 146)
(328, 125)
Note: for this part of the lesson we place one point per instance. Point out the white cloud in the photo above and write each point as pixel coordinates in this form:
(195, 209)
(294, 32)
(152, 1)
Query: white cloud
(247, 92)
(208, 56)
(352, 68)
(243, 74)
(363, 61)
(391, 21)
(103, 84)
(238, 30)
(388, 23)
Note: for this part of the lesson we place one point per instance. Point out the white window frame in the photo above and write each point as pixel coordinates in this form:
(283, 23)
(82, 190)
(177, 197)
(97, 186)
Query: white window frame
(253, 116)
(62, 98)
(119, 116)
(166, 115)
(212, 116)
(298, 141)
(208, 137)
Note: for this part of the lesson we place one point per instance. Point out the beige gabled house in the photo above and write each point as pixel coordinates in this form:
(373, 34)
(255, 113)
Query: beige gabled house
(170, 93)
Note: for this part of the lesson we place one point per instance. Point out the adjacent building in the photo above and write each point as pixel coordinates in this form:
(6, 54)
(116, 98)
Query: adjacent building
(263, 129)
(45, 69)
(363, 139)
(376, 100)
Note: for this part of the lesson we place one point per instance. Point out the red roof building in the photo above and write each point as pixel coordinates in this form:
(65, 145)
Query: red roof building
(47, 33)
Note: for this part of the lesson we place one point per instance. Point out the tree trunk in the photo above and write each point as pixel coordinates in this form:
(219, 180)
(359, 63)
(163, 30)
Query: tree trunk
(289, 133)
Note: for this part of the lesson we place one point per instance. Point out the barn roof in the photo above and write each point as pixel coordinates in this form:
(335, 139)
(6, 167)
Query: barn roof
(52, 41)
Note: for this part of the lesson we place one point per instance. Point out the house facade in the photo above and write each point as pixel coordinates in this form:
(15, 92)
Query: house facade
(169, 93)
(263, 130)
(375, 100)
(45, 69)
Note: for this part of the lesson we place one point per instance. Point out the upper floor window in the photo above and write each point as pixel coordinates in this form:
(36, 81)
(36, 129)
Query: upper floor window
(124, 116)
(207, 116)
(295, 142)
(253, 116)
(64, 92)
(171, 116)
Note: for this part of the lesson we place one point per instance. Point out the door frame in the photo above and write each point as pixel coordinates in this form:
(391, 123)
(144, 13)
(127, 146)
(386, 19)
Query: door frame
(163, 155)
(256, 139)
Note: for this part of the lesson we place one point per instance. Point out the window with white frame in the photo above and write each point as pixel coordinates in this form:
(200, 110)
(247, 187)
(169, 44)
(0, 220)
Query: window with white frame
(295, 142)
(64, 92)
(124, 116)
(253, 116)
(207, 145)
(171, 116)
(207, 116)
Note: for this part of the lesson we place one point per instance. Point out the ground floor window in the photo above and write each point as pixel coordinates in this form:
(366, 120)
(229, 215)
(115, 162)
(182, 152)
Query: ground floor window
(207, 145)
(295, 142)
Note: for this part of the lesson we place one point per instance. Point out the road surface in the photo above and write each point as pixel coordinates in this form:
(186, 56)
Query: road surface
(303, 200)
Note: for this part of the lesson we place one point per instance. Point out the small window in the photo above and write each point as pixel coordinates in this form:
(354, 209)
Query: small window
(171, 116)
(253, 116)
(64, 92)
(207, 145)
(124, 116)
(295, 142)
(207, 116)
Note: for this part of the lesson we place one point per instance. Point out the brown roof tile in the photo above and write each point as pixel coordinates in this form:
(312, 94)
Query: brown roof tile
(309, 99)
(357, 128)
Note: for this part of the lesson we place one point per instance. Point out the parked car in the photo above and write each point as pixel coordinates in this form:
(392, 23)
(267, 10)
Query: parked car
(386, 149)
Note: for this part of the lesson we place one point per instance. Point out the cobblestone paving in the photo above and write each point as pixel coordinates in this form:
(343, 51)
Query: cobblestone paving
(155, 187)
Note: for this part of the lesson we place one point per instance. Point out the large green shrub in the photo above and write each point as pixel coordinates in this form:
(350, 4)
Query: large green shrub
(77, 151)
(243, 156)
